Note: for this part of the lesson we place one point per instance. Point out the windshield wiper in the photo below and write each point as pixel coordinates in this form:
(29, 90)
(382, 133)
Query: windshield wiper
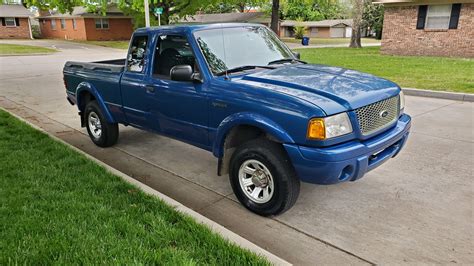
(241, 68)
(286, 60)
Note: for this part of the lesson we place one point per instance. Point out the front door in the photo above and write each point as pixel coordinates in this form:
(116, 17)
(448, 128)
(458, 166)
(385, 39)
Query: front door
(134, 91)
(180, 108)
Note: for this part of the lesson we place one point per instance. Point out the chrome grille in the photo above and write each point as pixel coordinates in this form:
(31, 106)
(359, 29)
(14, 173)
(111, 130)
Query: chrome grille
(376, 116)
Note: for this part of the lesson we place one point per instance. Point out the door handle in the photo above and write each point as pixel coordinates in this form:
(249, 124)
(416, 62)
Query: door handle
(150, 89)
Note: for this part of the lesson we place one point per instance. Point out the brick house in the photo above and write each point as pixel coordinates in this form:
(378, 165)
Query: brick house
(15, 22)
(428, 27)
(82, 25)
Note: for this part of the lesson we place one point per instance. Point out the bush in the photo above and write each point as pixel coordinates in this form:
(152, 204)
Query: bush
(35, 30)
(300, 31)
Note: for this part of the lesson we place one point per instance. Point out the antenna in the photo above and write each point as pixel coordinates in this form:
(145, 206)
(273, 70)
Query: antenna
(223, 46)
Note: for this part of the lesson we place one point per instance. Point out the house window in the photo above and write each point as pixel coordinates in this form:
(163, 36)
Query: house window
(101, 23)
(63, 23)
(10, 22)
(74, 23)
(53, 24)
(438, 16)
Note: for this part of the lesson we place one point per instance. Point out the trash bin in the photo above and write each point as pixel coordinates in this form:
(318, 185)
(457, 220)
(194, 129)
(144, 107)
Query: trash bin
(305, 40)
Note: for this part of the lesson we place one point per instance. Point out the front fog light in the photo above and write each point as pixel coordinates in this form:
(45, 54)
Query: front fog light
(329, 127)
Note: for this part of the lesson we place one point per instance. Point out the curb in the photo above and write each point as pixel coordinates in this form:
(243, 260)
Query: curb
(456, 96)
(215, 227)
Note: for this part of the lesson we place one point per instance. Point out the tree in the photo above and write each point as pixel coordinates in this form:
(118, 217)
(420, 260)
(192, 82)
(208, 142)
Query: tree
(232, 5)
(308, 10)
(357, 12)
(275, 22)
(373, 18)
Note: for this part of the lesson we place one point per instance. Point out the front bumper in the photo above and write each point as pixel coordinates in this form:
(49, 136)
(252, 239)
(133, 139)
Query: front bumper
(348, 161)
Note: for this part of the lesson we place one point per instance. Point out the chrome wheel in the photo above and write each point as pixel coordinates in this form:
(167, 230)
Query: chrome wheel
(256, 181)
(95, 126)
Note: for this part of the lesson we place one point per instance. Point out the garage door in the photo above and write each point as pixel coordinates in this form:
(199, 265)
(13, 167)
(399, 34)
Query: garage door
(337, 32)
(348, 32)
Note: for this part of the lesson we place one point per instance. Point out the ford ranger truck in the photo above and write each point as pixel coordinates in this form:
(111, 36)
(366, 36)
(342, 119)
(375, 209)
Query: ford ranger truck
(236, 90)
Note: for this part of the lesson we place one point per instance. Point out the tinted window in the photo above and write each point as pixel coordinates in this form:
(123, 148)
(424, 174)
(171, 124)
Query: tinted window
(136, 56)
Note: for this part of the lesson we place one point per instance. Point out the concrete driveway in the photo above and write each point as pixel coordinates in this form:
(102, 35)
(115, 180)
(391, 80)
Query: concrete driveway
(417, 208)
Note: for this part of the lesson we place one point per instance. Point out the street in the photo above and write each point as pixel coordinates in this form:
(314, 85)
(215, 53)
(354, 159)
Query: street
(417, 208)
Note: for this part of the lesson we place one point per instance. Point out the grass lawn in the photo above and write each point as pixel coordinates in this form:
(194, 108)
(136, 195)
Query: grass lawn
(16, 49)
(111, 44)
(327, 41)
(433, 73)
(58, 207)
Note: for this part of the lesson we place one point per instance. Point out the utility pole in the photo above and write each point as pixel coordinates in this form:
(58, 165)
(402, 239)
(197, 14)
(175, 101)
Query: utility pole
(147, 14)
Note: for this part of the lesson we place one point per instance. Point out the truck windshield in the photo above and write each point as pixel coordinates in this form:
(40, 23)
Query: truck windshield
(230, 48)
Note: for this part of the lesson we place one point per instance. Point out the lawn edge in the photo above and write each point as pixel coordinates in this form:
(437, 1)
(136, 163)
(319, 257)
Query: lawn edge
(456, 96)
(213, 226)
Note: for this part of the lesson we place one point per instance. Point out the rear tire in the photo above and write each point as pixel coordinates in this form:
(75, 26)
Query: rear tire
(102, 133)
(263, 178)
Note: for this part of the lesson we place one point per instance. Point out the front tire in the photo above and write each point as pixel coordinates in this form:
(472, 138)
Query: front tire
(102, 133)
(263, 178)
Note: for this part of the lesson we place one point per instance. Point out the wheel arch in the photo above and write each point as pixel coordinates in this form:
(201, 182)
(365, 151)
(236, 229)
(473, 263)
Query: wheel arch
(239, 128)
(86, 92)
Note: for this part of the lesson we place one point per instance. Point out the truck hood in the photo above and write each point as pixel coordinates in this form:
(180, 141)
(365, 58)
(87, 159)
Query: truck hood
(333, 89)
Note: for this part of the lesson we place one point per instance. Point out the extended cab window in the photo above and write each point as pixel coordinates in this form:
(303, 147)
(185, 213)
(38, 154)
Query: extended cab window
(136, 56)
(172, 50)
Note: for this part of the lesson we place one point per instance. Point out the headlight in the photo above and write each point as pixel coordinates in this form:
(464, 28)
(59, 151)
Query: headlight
(329, 127)
(402, 100)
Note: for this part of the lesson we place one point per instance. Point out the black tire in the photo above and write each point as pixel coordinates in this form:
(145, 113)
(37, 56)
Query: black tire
(109, 131)
(285, 182)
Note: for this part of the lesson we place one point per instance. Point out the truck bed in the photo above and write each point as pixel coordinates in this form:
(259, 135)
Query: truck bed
(113, 66)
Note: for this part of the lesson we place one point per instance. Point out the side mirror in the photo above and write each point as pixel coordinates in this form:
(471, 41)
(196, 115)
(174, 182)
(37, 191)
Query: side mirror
(181, 73)
(297, 55)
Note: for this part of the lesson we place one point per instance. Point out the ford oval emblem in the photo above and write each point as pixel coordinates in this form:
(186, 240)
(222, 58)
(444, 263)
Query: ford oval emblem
(383, 114)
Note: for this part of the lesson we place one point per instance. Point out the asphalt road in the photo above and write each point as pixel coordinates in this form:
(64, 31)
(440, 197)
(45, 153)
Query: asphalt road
(417, 208)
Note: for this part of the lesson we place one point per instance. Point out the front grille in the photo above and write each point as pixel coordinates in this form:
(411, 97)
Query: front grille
(376, 116)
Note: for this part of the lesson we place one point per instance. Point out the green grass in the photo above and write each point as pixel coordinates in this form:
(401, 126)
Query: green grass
(110, 44)
(58, 207)
(328, 41)
(433, 73)
(16, 49)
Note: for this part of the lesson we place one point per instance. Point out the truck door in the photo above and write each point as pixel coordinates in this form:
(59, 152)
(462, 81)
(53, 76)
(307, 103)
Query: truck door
(134, 91)
(179, 108)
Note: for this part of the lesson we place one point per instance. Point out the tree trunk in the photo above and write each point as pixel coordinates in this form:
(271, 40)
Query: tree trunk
(357, 12)
(275, 16)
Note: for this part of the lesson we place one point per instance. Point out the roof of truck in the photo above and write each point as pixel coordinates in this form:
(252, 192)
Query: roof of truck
(194, 27)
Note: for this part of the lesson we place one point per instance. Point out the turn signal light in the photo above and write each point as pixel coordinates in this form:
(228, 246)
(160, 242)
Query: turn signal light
(316, 129)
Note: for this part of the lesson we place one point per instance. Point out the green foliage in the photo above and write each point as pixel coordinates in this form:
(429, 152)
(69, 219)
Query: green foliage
(309, 10)
(58, 207)
(299, 31)
(373, 18)
(17, 49)
(432, 73)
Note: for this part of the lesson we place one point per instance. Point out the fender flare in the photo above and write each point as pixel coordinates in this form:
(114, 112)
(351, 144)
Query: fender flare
(250, 119)
(87, 87)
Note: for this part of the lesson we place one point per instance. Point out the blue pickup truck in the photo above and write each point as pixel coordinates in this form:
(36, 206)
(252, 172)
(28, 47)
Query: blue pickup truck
(237, 91)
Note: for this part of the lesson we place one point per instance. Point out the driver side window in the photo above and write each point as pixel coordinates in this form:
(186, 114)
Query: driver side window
(136, 56)
(170, 51)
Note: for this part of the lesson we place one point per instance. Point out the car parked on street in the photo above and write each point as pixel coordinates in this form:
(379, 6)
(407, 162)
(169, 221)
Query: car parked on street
(237, 91)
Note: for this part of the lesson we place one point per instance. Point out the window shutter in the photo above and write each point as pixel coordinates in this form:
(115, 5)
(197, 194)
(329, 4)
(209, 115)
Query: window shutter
(17, 22)
(420, 24)
(455, 11)
(3, 22)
